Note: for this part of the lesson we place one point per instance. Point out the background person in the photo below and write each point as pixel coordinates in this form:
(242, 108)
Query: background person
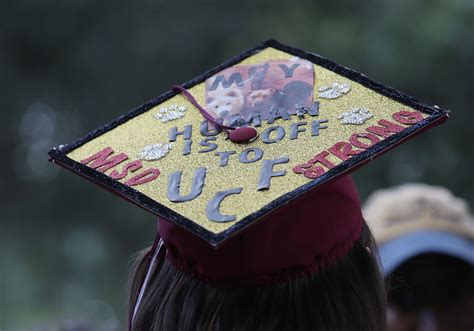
(426, 246)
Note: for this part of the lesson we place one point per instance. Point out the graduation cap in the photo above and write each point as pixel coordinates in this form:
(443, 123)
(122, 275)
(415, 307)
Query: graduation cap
(264, 140)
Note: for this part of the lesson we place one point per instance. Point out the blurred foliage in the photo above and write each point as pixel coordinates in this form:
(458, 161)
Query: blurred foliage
(67, 67)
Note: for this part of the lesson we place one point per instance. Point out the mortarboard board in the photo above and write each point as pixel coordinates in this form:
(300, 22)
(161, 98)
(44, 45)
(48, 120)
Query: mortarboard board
(316, 120)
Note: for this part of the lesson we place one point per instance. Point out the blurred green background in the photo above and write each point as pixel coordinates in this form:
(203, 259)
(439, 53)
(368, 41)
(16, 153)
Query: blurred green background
(67, 67)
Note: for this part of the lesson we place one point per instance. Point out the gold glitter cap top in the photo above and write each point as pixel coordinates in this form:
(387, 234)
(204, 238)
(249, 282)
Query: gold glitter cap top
(314, 119)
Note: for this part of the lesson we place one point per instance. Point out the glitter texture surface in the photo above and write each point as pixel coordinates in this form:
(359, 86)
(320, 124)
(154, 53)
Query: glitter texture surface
(142, 130)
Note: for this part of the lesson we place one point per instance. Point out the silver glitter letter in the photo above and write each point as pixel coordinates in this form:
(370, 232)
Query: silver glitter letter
(204, 129)
(280, 134)
(243, 157)
(174, 183)
(295, 129)
(224, 157)
(212, 209)
(173, 133)
(266, 172)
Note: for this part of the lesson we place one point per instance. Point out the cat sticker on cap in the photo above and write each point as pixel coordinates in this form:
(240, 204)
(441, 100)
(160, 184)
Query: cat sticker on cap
(217, 153)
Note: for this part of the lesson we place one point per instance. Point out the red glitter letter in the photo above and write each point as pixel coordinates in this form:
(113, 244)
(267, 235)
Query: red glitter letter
(407, 117)
(386, 130)
(314, 172)
(131, 166)
(143, 177)
(354, 140)
(321, 158)
(309, 170)
(343, 150)
(299, 169)
(102, 162)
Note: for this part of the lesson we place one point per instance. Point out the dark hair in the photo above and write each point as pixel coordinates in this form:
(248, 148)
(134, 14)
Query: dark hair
(348, 295)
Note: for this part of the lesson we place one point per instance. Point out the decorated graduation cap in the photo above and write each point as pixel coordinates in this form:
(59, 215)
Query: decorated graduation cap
(246, 165)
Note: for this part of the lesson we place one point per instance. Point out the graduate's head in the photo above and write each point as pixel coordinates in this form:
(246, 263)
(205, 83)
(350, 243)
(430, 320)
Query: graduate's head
(310, 265)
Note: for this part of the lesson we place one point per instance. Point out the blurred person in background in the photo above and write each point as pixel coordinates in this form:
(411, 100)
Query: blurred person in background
(426, 245)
